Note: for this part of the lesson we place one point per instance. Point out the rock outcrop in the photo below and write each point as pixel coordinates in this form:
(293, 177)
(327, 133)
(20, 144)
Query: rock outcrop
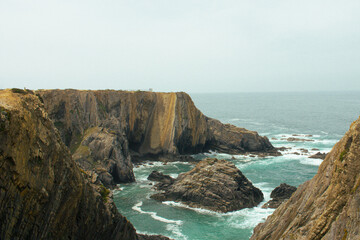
(212, 184)
(43, 193)
(279, 195)
(106, 153)
(163, 126)
(327, 206)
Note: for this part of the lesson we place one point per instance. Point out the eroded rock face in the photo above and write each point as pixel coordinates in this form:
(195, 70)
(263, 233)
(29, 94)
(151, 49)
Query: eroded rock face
(153, 123)
(105, 152)
(161, 126)
(212, 184)
(43, 193)
(327, 206)
(279, 195)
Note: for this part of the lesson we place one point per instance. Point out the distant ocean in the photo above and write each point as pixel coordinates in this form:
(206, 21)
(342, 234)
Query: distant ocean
(326, 116)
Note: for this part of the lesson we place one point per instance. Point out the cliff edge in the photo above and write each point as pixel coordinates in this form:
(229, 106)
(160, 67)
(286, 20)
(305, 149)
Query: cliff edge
(140, 125)
(43, 193)
(327, 206)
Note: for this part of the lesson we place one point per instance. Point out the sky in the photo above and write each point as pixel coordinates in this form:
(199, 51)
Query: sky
(188, 45)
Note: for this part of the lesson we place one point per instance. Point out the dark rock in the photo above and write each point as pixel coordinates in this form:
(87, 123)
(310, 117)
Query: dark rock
(319, 155)
(152, 237)
(292, 139)
(283, 148)
(279, 195)
(274, 138)
(284, 191)
(303, 150)
(160, 177)
(212, 184)
(314, 149)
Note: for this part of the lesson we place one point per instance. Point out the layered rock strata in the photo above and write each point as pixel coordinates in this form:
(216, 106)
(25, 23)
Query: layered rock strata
(43, 192)
(327, 206)
(212, 184)
(164, 126)
(279, 195)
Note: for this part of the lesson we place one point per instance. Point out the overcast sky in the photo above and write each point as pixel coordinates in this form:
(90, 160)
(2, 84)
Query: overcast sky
(187, 45)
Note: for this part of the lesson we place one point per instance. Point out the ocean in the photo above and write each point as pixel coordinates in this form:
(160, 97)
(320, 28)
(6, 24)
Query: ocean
(320, 117)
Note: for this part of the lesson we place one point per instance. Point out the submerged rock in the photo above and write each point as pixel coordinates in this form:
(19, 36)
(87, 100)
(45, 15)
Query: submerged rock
(327, 206)
(293, 139)
(319, 155)
(279, 195)
(212, 184)
(160, 177)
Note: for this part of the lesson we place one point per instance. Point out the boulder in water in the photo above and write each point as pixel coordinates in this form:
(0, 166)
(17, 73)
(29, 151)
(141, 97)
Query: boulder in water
(279, 195)
(212, 184)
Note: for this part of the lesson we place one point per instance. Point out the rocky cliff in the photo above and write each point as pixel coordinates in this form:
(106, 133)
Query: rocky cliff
(43, 193)
(141, 125)
(327, 206)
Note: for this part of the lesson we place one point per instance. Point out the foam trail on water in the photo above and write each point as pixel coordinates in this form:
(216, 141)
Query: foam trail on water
(175, 229)
(311, 161)
(198, 210)
(154, 215)
(249, 217)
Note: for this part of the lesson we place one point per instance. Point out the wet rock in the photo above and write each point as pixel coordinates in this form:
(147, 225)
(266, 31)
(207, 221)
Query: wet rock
(284, 191)
(319, 155)
(160, 177)
(283, 148)
(152, 237)
(279, 195)
(292, 139)
(212, 184)
(303, 150)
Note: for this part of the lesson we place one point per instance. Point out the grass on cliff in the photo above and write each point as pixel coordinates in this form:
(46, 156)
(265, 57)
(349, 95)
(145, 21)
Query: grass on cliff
(104, 192)
(343, 154)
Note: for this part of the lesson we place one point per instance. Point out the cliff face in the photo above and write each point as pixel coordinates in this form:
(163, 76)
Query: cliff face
(151, 124)
(43, 193)
(327, 206)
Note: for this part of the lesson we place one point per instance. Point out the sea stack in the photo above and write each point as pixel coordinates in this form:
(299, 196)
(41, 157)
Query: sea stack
(212, 184)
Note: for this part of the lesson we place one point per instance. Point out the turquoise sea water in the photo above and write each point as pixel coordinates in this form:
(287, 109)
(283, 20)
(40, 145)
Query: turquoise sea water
(325, 116)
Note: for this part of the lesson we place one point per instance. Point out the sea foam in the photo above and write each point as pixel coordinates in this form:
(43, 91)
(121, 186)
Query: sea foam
(137, 207)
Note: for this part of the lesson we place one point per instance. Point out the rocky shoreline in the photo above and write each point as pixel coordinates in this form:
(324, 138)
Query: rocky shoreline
(325, 207)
